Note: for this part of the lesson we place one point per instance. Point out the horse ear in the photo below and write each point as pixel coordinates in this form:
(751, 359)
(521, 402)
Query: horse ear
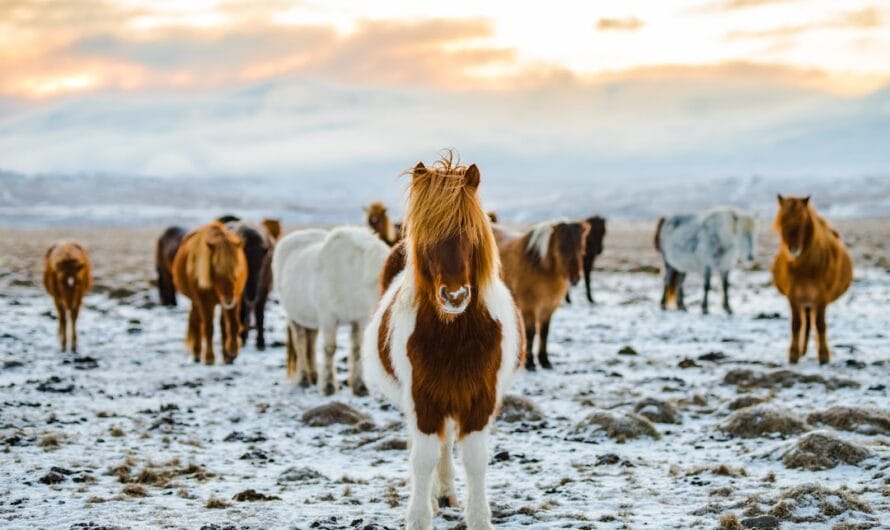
(418, 169)
(471, 176)
(781, 199)
(806, 200)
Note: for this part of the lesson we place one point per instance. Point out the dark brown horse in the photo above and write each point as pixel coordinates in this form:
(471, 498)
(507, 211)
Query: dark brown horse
(593, 247)
(378, 219)
(812, 269)
(257, 245)
(165, 251)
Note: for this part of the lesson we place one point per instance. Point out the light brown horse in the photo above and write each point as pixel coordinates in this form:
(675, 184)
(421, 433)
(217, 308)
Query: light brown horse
(67, 276)
(536, 267)
(210, 269)
(379, 221)
(812, 269)
(445, 339)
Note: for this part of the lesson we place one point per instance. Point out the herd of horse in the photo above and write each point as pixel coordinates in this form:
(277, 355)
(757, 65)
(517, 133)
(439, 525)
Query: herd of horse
(444, 308)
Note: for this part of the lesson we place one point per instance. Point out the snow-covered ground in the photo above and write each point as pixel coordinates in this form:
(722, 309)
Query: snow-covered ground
(146, 439)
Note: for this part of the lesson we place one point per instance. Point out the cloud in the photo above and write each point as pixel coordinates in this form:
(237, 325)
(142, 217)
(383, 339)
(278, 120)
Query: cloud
(865, 19)
(619, 24)
(734, 5)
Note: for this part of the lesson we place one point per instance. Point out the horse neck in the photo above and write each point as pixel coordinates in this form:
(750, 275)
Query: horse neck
(814, 252)
(545, 263)
(389, 231)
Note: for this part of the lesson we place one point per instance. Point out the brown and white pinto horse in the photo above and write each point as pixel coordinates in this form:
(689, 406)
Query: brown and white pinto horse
(593, 247)
(379, 221)
(812, 269)
(210, 269)
(165, 251)
(537, 265)
(67, 276)
(445, 339)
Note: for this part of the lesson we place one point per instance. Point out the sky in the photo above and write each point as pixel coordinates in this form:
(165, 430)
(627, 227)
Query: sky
(646, 89)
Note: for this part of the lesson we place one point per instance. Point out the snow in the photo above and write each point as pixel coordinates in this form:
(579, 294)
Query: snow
(537, 478)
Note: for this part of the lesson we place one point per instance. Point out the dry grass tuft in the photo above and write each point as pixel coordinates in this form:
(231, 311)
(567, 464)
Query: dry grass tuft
(729, 522)
(855, 419)
(215, 503)
(619, 428)
(820, 450)
(762, 420)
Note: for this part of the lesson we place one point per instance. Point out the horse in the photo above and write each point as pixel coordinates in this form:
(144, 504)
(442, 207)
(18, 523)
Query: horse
(165, 251)
(812, 268)
(445, 339)
(714, 240)
(257, 245)
(538, 267)
(67, 277)
(210, 269)
(325, 279)
(492, 216)
(593, 247)
(379, 221)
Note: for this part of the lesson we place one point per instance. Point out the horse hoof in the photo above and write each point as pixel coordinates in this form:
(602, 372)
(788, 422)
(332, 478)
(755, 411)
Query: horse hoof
(304, 383)
(260, 346)
(328, 389)
(229, 360)
(447, 501)
(546, 365)
(360, 389)
(530, 367)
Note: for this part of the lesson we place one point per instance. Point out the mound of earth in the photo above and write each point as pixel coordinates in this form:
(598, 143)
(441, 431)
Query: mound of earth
(335, 412)
(516, 409)
(819, 450)
(811, 503)
(657, 411)
(853, 419)
(746, 401)
(762, 420)
(619, 428)
(746, 378)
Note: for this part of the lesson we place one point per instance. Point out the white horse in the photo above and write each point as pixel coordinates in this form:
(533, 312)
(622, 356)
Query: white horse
(711, 241)
(325, 279)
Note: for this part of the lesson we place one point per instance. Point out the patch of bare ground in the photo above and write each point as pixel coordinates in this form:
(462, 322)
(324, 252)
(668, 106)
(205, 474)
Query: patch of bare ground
(157, 475)
(657, 411)
(763, 420)
(745, 378)
(517, 409)
(854, 419)
(336, 412)
(819, 450)
(618, 427)
(811, 503)
(747, 400)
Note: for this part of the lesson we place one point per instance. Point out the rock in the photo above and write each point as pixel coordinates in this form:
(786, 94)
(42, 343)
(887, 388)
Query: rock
(657, 411)
(713, 356)
(762, 420)
(619, 428)
(53, 477)
(761, 522)
(333, 413)
(515, 409)
(819, 450)
(746, 401)
(688, 363)
(853, 419)
(627, 350)
(300, 474)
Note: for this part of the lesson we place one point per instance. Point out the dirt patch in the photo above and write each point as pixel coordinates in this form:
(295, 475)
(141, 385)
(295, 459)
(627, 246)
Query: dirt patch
(745, 378)
(853, 419)
(301, 475)
(747, 401)
(811, 503)
(819, 450)
(657, 411)
(253, 495)
(214, 503)
(517, 409)
(619, 428)
(763, 420)
(333, 413)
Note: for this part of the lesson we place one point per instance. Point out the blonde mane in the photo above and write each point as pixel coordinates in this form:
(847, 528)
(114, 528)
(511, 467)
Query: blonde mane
(222, 258)
(539, 239)
(441, 206)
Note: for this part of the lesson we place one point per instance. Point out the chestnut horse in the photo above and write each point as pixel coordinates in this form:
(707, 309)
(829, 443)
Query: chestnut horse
(67, 276)
(379, 221)
(210, 269)
(593, 247)
(445, 340)
(812, 269)
(536, 267)
(165, 251)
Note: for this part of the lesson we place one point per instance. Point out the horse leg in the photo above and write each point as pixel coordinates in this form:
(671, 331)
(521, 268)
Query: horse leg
(232, 343)
(794, 349)
(543, 358)
(822, 332)
(445, 494)
(681, 292)
(260, 316)
(329, 377)
(311, 339)
(297, 361)
(724, 280)
(804, 340)
(670, 285)
(290, 344)
(569, 294)
(704, 302)
(244, 311)
(529, 321)
(423, 460)
(206, 310)
(356, 381)
(63, 324)
(193, 338)
(588, 269)
(72, 322)
(475, 456)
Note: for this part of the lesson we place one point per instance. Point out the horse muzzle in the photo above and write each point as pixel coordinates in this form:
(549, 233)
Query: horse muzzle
(454, 302)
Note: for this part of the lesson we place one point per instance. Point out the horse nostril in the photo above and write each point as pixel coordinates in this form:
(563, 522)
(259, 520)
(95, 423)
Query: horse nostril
(443, 293)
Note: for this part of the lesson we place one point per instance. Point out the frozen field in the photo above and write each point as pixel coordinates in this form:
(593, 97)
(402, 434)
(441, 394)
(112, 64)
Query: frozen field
(129, 433)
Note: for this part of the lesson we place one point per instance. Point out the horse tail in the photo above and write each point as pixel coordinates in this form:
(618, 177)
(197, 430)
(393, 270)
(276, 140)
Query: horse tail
(671, 289)
(658, 234)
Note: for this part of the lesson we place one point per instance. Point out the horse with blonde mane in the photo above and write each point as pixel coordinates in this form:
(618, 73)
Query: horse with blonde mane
(210, 269)
(67, 276)
(379, 221)
(812, 269)
(445, 340)
(539, 265)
